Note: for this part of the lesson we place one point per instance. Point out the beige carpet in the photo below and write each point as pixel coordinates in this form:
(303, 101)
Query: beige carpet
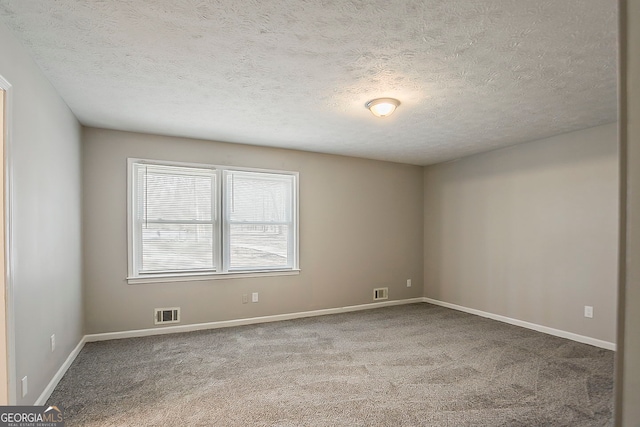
(412, 365)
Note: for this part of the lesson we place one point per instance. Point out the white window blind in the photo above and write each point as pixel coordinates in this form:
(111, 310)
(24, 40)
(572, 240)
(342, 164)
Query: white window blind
(175, 218)
(175, 226)
(259, 220)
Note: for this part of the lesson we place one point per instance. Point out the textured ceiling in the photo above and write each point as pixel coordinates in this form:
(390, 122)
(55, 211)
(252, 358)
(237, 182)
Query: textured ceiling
(471, 75)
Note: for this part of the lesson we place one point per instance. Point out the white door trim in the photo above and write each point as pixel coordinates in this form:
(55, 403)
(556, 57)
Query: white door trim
(9, 241)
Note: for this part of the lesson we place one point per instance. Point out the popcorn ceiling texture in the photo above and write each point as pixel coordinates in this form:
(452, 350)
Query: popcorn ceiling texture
(471, 75)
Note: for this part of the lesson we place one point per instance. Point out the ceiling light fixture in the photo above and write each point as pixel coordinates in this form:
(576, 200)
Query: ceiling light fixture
(382, 107)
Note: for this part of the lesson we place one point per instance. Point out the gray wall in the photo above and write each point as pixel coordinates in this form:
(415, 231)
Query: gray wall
(360, 228)
(628, 372)
(529, 232)
(45, 160)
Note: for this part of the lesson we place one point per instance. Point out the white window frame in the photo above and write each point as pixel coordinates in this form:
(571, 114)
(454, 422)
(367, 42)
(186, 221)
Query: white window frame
(221, 230)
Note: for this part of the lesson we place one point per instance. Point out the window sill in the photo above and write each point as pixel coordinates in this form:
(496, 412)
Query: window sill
(163, 278)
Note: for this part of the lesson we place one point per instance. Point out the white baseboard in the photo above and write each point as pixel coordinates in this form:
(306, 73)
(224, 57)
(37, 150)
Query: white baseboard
(246, 321)
(58, 376)
(544, 329)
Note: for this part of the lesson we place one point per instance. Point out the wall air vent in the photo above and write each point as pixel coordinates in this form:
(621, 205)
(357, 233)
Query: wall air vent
(380, 293)
(166, 315)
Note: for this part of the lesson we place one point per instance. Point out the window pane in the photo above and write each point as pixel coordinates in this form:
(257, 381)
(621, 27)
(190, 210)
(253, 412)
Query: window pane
(177, 247)
(174, 193)
(258, 246)
(259, 197)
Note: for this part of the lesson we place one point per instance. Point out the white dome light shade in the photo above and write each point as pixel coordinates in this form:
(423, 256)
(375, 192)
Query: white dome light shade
(382, 107)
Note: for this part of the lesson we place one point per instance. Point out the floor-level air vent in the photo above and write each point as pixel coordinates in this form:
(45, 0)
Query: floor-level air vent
(381, 293)
(167, 315)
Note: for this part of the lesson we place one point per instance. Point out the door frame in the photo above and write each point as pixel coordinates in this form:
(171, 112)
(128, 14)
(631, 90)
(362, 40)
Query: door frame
(9, 321)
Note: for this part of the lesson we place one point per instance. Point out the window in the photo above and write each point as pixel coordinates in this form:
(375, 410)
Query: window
(201, 221)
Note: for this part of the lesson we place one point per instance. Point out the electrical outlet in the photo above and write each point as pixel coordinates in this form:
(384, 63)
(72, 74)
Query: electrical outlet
(245, 298)
(408, 283)
(25, 388)
(254, 297)
(53, 343)
(588, 311)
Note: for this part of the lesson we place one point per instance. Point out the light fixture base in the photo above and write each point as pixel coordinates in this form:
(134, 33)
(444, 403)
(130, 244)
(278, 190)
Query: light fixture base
(382, 107)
